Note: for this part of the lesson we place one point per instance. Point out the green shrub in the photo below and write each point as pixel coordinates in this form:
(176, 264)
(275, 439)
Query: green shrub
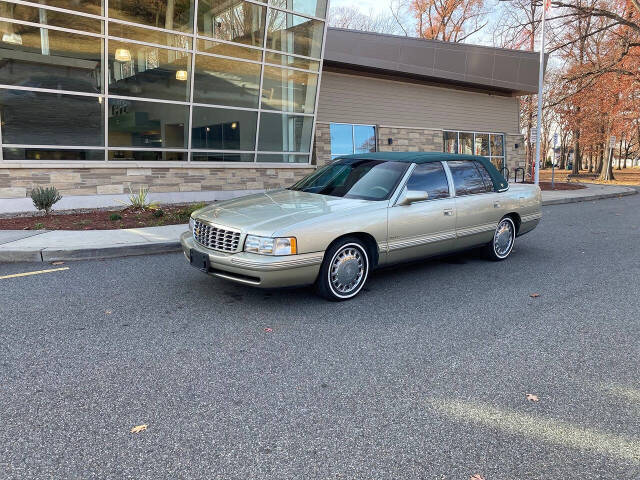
(139, 200)
(38, 226)
(158, 213)
(115, 216)
(45, 198)
(185, 212)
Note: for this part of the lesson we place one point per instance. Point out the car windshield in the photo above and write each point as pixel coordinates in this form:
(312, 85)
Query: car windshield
(349, 178)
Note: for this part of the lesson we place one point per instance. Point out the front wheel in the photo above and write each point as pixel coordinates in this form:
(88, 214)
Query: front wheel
(503, 240)
(344, 270)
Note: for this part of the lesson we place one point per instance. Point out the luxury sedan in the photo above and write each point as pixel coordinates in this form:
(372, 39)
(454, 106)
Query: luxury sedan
(332, 228)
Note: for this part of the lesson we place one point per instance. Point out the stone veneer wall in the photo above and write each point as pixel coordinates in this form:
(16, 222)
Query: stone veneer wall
(17, 182)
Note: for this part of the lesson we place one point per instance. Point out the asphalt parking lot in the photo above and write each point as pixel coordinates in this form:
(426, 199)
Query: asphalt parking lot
(423, 376)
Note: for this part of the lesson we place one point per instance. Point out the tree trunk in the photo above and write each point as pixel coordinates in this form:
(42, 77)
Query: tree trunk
(607, 169)
(576, 152)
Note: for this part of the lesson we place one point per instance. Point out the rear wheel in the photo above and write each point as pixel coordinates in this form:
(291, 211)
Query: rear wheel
(344, 270)
(503, 240)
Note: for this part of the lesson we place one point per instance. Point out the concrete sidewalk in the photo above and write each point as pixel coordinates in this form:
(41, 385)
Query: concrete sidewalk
(49, 246)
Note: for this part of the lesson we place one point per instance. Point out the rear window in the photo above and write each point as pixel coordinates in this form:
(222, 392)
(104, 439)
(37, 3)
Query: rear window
(466, 178)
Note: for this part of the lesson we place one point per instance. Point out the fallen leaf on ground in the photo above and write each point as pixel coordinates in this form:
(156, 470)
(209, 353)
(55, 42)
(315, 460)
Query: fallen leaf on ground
(534, 295)
(477, 476)
(108, 312)
(139, 428)
(268, 330)
(532, 398)
(57, 263)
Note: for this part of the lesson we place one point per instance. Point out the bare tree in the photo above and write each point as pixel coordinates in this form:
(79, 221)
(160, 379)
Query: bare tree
(354, 19)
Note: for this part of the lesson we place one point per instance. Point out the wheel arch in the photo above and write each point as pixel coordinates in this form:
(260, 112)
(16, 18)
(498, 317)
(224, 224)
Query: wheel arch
(367, 239)
(515, 216)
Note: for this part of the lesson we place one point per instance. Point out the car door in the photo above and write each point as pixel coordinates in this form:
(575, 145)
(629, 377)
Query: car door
(477, 204)
(427, 227)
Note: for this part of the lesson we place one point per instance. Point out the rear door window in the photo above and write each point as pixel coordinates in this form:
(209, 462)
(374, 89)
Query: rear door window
(430, 178)
(466, 178)
(488, 181)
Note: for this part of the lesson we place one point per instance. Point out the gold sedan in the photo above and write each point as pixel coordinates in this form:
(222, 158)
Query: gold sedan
(332, 228)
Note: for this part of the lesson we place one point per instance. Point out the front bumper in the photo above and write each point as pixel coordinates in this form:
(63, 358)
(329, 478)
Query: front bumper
(263, 271)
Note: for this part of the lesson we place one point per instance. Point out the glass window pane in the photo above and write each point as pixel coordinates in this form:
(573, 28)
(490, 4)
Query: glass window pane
(169, 14)
(466, 143)
(44, 58)
(496, 145)
(364, 139)
(341, 139)
(291, 61)
(450, 142)
(232, 20)
(282, 158)
(51, 154)
(466, 178)
(498, 162)
(317, 8)
(151, 72)
(221, 81)
(134, 123)
(35, 118)
(284, 133)
(221, 157)
(482, 144)
(219, 48)
(93, 7)
(149, 36)
(49, 17)
(430, 178)
(293, 34)
(488, 182)
(288, 90)
(223, 129)
(146, 156)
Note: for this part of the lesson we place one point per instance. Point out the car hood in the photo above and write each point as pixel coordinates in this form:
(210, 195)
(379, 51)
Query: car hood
(266, 213)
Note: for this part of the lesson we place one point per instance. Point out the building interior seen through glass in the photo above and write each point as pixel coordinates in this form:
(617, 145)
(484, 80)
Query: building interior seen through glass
(236, 81)
(489, 145)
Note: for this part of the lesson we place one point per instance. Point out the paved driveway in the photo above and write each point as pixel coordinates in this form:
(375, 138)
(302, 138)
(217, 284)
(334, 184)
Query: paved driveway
(423, 376)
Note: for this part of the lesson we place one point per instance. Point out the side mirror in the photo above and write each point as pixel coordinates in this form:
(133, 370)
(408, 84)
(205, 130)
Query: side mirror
(411, 196)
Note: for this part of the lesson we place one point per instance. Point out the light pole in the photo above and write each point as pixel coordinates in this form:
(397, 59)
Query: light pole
(547, 4)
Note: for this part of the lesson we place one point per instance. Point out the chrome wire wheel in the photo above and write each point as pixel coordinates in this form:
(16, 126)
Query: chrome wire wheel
(348, 270)
(504, 238)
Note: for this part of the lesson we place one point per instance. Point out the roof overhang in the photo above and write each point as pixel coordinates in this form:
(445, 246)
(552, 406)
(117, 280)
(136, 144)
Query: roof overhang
(499, 70)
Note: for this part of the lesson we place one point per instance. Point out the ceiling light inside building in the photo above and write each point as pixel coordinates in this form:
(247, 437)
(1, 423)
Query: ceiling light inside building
(181, 75)
(13, 38)
(123, 55)
(234, 125)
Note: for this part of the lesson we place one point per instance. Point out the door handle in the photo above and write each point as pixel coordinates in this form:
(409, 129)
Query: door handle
(448, 212)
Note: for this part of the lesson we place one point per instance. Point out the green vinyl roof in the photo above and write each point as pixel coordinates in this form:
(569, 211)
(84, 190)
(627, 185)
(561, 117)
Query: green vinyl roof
(499, 182)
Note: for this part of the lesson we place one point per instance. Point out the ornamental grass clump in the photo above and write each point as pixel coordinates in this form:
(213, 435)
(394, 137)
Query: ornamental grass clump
(45, 198)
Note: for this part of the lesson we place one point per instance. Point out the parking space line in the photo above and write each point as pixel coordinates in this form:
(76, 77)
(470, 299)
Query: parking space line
(37, 272)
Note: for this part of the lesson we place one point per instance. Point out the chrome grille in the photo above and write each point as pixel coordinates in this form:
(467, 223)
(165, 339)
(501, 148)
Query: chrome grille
(216, 238)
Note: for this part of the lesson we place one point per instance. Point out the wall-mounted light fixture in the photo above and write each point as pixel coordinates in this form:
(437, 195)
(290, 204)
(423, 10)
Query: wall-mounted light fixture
(123, 55)
(389, 141)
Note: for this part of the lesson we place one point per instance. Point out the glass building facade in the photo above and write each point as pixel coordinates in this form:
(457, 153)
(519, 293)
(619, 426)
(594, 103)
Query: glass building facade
(168, 80)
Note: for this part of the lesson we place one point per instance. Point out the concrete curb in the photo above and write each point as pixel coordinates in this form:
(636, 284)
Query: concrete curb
(149, 248)
(51, 255)
(586, 198)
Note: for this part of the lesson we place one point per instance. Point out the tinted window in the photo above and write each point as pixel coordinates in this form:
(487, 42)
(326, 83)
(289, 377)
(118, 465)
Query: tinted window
(466, 178)
(364, 179)
(430, 177)
(488, 182)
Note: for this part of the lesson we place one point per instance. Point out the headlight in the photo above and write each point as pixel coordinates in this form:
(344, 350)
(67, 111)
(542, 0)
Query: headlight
(271, 246)
(192, 223)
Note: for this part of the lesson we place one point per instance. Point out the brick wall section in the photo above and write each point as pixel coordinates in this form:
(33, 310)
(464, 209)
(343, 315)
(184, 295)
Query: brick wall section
(409, 140)
(322, 144)
(516, 157)
(17, 182)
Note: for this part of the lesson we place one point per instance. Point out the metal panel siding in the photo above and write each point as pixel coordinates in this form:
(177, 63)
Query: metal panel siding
(362, 99)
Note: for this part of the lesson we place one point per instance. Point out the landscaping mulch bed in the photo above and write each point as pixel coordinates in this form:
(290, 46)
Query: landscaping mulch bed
(560, 186)
(103, 220)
